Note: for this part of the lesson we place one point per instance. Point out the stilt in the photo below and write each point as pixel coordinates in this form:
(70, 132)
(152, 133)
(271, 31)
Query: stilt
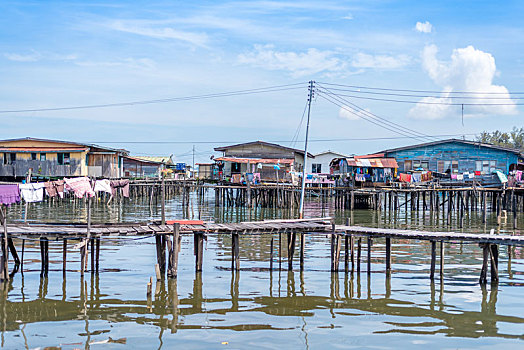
(370, 243)
(302, 247)
(388, 254)
(291, 239)
(64, 257)
(494, 253)
(271, 254)
(441, 259)
(97, 254)
(199, 250)
(433, 259)
(359, 253)
(485, 257)
(235, 252)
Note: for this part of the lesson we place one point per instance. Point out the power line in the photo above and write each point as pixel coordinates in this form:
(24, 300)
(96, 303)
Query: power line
(431, 103)
(395, 130)
(275, 141)
(434, 96)
(297, 132)
(376, 117)
(275, 88)
(422, 91)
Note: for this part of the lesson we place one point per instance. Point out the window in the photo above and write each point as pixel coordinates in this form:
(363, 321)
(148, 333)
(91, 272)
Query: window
(407, 165)
(235, 167)
(454, 166)
(33, 156)
(492, 166)
(42, 157)
(12, 157)
(6, 158)
(478, 165)
(316, 168)
(63, 159)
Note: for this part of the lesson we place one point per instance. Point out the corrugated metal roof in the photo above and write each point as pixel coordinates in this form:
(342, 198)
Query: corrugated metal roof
(256, 160)
(40, 149)
(67, 142)
(299, 151)
(160, 159)
(373, 162)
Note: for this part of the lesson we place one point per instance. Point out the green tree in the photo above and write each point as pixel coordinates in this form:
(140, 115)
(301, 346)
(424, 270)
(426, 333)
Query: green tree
(512, 139)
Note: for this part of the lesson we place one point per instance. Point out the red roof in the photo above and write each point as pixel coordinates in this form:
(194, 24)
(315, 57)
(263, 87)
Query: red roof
(256, 160)
(374, 155)
(373, 162)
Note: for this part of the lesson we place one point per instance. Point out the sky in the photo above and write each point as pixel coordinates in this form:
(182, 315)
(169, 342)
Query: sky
(57, 54)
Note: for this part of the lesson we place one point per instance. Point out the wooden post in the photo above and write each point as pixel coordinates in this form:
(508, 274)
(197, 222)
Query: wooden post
(302, 247)
(494, 253)
(235, 252)
(42, 256)
(159, 260)
(64, 257)
(175, 248)
(441, 259)
(370, 243)
(22, 258)
(97, 254)
(346, 253)
(359, 253)
(485, 256)
(291, 240)
(271, 254)
(199, 250)
(93, 248)
(433, 259)
(279, 251)
(388, 254)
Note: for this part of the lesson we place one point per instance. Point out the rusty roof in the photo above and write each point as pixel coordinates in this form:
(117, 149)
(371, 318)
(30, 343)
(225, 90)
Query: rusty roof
(369, 162)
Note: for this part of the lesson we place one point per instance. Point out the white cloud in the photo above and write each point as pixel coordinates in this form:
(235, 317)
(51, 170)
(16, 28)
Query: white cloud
(425, 27)
(32, 57)
(139, 63)
(349, 16)
(197, 39)
(35, 56)
(349, 113)
(362, 60)
(298, 64)
(469, 70)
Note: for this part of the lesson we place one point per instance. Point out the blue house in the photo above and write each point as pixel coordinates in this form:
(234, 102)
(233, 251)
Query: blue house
(456, 156)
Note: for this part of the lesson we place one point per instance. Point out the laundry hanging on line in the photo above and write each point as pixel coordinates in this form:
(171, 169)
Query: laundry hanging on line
(9, 194)
(103, 186)
(122, 184)
(32, 192)
(55, 188)
(81, 186)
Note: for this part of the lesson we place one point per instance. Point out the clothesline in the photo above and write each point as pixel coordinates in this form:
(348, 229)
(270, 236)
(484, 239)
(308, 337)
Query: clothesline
(80, 186)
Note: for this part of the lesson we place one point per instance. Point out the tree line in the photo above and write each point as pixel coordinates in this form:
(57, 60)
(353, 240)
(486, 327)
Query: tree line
(512, 139)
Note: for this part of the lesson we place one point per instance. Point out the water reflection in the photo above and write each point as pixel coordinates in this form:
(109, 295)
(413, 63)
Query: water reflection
(169, 309)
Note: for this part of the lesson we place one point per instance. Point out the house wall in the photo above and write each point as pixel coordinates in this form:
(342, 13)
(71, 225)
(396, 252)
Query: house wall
(134, 169)
(104, 165)
(465, 155)
(49, 167)
(258, 151)
(324, 160)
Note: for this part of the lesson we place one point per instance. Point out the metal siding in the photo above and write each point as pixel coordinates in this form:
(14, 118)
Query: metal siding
(465, 154)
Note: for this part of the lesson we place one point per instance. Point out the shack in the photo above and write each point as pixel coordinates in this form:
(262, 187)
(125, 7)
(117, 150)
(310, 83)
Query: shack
(52, 158)
(271, 161)
(206, 171)
(322, 162)
(457, 157)
(361, 171)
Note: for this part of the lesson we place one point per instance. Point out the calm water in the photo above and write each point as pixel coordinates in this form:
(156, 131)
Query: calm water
(258, 308)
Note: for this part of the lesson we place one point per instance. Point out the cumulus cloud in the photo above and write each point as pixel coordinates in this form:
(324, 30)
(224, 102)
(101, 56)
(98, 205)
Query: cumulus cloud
(297, 63)
(349, 113)
(425, 27)
(349, 16)
(197, 39)
(362, 60)
(468, 70)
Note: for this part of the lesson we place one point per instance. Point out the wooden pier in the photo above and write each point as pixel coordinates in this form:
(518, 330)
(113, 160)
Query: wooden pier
(347, 238)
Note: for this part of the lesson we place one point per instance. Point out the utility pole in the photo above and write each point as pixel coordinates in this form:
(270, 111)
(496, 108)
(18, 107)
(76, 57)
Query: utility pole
(303, 189)
(193, 168)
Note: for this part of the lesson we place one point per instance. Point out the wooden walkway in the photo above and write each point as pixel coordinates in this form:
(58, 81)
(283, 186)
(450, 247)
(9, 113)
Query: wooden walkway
(168, 242)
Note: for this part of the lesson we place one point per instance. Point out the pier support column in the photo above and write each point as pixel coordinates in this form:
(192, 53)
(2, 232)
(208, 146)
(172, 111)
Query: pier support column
(370, 244)
(485, 257)
(302, 248)
(494, 253)
(388, 255)
(173, 252)
(433, 259)
(199, 250)
(235, 252)
(291, 240)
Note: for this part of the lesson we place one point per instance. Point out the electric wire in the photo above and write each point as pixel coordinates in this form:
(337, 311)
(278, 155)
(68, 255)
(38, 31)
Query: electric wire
(297, 132)
(375, 117)
(276, 88)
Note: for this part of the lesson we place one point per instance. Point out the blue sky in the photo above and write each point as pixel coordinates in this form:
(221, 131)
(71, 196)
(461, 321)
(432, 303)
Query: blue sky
(73, 53)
